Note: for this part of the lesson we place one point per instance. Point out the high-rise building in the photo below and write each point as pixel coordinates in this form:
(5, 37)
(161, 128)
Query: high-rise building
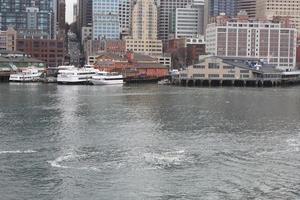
(144, 29)
(188, 21)
(247, 5)
(267, 9)
(144, 20)
(272, 42)
(216, 7)
(106, 23)
(38, 17)
(166, 9)
(61, 13)
(85, 13)
(125, 14)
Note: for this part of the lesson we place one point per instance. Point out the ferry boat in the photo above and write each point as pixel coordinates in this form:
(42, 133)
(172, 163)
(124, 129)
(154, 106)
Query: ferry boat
(73, 75)
(31, 74)
(106, 78)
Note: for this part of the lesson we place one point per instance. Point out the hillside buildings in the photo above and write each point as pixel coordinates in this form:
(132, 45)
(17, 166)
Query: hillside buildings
(273, 42)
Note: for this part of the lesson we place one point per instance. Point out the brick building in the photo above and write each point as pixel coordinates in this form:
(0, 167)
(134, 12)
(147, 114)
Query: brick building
(131, 65)
(50, 51)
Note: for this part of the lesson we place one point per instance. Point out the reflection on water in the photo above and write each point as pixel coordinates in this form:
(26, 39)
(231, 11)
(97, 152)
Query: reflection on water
(148, 142)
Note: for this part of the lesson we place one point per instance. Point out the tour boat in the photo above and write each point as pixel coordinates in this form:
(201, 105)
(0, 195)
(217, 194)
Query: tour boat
(73, 75)
(31, 74)
(106, 78)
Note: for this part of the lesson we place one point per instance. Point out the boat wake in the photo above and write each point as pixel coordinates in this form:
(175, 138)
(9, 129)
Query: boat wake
(18, 152)
(65, 161)
(167, 160)
(293, 146)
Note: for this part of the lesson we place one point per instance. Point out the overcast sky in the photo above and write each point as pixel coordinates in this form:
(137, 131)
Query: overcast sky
(69, 10)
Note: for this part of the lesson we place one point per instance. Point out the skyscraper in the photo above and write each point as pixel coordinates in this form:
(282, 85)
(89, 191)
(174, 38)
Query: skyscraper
(125, 14)
(166, 9)
(106, 22)
(38, 17)
(144, 20)
(189, 21)
(144, 29)
(215, 7)
(248, 5)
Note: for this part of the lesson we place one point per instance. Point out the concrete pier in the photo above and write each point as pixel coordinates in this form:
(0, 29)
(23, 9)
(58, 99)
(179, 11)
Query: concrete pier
(191, 82)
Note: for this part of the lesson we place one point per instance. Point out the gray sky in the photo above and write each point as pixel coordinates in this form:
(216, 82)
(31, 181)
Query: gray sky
(69, 10)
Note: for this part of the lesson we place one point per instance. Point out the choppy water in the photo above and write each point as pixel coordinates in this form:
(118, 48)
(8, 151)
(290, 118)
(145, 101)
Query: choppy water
(148, 142)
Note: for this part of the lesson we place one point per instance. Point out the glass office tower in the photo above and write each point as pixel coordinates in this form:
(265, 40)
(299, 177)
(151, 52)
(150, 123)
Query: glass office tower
(25, 16)
(106, 23)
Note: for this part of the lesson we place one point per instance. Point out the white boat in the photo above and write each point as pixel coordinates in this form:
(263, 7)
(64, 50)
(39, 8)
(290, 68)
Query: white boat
(73, 75)
(164, 82)
(106, 78)
(31, 74)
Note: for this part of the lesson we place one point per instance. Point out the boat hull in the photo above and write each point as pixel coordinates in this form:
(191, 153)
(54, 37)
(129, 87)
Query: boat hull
(107, 82)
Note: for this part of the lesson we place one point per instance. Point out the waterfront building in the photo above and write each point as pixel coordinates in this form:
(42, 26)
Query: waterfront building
(217, 70)
(32, 16)
(247, 5)
(267, 9)
(8, 39)
(166, 8)
(106, 23)
(92, 48)
(49, 50)
(14, 60)
(189, 21)
(133, 65)
(272, 41)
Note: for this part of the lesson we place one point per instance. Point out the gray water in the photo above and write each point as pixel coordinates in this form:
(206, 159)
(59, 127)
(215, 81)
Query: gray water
(148, 142)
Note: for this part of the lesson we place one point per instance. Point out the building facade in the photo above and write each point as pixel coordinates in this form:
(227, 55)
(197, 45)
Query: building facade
(144, 20)
(144, 29)
(247, 5)
(106, 24)
(32, 16)
(125, 14)
(189, 21)
(52, 52)
(216, 7)
(166, 8)
(267, 9)
(274, 42)
(149, 47)
(8, 39)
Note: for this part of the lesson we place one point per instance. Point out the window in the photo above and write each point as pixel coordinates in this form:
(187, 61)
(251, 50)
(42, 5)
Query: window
(198, 75)
(199, 66)
(213, 66)
(213, 76)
